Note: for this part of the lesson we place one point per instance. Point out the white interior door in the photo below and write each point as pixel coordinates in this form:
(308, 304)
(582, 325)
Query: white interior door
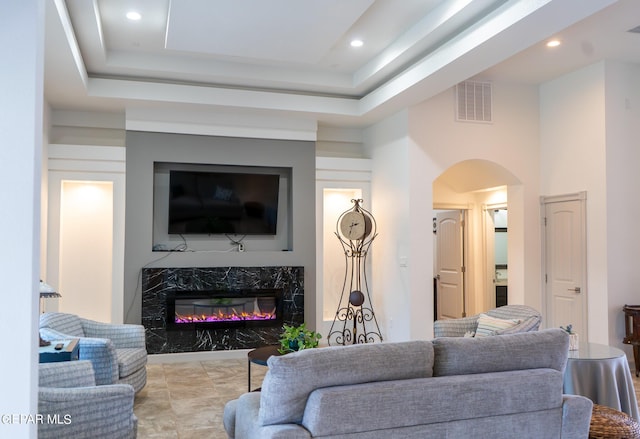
(565, 262)
(450, 264)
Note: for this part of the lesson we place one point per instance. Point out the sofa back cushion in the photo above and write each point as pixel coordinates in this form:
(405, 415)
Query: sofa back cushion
(291, 378)
(68, 324)
(435, 401)
(527, 350)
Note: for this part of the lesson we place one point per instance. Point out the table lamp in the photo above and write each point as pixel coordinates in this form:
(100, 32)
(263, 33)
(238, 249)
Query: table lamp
(46, 292)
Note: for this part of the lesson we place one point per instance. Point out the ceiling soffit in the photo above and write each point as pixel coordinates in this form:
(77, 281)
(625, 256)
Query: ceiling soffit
(287, 47)
(434, 44)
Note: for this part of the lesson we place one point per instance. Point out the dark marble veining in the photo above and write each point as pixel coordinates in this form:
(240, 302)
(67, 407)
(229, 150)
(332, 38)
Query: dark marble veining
(157, 282)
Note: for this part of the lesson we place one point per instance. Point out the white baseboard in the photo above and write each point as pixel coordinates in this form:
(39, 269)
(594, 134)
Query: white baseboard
(183, 357)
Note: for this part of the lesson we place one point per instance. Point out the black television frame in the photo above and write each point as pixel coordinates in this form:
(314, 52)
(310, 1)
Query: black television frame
(223, 201)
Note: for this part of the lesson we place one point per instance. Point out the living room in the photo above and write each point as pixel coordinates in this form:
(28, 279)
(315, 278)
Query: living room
(568, 134)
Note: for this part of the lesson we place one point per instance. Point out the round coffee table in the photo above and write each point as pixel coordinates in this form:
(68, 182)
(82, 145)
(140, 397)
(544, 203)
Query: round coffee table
(259, 356)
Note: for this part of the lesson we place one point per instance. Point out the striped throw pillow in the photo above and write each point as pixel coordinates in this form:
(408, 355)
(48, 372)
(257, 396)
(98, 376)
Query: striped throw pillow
(488, 325)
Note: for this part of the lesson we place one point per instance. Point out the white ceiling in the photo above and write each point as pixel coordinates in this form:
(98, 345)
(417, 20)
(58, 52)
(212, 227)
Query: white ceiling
(292, 57)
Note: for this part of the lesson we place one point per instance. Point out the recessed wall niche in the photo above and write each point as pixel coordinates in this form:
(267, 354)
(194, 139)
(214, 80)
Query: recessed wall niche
(215, 207)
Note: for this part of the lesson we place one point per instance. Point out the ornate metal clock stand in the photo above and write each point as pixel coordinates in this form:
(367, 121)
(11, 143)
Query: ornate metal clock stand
(355, 322)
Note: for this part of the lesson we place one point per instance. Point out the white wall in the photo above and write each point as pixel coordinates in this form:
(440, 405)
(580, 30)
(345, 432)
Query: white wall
(86, 249)
(573, 158)
(21, 122)
(386, 144)
(590, 125)
(87, 128)
(90, 277)
(402, 287)
(339, 142)
(510, 141)
(622, 105)
(409, 151)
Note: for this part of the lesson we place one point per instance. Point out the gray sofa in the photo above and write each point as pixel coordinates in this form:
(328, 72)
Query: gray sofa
(499, 387)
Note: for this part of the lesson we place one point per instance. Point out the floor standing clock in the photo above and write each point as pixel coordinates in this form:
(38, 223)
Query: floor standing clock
(355, 321)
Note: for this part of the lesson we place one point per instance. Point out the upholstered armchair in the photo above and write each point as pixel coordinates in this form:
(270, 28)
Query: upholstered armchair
(529, 318)
(72, 406)
(117, 351)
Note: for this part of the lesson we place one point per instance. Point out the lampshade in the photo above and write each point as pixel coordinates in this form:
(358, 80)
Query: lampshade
(47, 291)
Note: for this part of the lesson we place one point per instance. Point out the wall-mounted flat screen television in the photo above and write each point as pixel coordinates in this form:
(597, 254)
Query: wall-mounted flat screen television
(223, 203)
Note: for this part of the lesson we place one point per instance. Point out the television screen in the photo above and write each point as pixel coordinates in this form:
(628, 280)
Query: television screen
(223, 203)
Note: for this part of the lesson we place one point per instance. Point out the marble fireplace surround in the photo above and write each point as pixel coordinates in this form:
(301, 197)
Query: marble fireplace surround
(157, 282)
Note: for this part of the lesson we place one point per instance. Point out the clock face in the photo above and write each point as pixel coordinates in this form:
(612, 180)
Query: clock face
(353, 225)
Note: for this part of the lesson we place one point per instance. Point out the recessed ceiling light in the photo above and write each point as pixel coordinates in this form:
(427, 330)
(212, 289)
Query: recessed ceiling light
(553, 43)
(133, 15)
(357, 43)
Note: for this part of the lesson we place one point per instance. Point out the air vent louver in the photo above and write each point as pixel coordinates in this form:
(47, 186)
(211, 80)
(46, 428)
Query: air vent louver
(473, 101)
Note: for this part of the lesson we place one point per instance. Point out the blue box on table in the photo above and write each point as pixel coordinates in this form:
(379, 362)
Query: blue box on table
(70, 351)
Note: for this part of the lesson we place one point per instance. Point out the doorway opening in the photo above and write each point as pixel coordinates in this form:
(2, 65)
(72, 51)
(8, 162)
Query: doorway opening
(496, 246)
(479, 187)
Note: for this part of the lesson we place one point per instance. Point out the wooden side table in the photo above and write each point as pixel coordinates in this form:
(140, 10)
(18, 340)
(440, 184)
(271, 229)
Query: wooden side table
(632, 332)
(259, 356)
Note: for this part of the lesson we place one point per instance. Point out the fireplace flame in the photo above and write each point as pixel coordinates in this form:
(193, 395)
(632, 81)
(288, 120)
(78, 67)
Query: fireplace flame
(232, 316)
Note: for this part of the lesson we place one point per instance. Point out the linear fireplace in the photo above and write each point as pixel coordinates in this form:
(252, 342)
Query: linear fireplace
(223, 309)
(195, 309)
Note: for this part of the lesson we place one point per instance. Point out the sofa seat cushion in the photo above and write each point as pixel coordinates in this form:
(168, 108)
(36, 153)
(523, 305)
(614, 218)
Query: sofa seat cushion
(405, 403)
(291, 378)
(528, 350)
(130, 360)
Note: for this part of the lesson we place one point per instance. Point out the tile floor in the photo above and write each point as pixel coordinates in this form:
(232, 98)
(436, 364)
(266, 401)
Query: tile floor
(186, 400)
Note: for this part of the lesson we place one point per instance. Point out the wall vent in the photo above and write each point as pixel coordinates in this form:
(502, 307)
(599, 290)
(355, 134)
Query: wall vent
(473, 101)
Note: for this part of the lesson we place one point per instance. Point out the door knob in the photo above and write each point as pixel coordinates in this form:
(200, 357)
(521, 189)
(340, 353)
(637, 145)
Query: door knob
(575, 290)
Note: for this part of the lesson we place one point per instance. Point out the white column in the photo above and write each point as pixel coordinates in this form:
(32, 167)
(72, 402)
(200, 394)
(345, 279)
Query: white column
(21, 104)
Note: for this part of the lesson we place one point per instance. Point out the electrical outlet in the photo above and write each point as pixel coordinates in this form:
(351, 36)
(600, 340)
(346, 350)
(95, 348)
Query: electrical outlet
(240, 247)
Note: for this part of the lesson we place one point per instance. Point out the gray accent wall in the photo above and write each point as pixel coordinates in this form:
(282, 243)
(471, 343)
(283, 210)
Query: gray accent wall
(145, 148)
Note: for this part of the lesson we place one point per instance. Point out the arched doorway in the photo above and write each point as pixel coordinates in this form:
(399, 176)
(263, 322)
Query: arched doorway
(475, 188)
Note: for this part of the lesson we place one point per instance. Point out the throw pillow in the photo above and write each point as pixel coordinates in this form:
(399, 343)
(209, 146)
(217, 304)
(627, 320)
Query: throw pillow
(488, 325)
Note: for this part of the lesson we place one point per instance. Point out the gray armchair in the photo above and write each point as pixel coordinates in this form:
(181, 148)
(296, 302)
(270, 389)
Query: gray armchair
(72, 406)
(530, 321)
(118, 352)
